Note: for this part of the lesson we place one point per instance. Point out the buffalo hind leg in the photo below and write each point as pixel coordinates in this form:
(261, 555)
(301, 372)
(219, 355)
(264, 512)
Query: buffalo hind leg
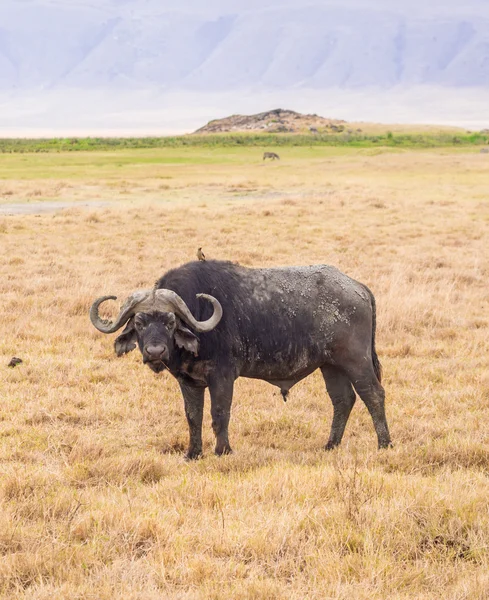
(372, 393)
(343, 397)
(221, 391)
(193, 398)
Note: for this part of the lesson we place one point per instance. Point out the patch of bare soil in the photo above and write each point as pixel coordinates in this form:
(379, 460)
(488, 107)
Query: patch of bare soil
(37, 208)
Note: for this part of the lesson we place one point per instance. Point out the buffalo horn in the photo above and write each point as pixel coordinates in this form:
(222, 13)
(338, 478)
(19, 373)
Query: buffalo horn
(167, 300)
(149, 300)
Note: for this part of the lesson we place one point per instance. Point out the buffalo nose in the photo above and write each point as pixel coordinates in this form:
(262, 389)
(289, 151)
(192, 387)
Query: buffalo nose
(159, 352)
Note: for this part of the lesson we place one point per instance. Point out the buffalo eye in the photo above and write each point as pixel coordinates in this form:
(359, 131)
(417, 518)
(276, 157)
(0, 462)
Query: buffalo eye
(170, 326)
(139, 324)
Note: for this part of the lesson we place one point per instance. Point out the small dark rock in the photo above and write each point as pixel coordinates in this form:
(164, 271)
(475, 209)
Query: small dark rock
(14, 361)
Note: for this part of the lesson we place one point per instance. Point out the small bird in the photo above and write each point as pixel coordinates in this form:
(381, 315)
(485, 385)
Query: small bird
(14, 361)
(200, 254)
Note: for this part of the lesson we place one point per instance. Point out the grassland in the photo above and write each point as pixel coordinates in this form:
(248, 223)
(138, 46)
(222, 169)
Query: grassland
(96, 501)
(366, 136)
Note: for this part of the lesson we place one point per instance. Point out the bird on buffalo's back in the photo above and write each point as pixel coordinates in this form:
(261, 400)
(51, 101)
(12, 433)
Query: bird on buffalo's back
(200, 254)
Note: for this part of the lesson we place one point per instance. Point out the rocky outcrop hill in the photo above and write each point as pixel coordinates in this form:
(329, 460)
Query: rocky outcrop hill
(274, 121)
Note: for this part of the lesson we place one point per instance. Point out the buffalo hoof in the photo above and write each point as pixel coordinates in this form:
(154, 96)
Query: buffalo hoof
(331, 446)
(220, 451)
(193, 455)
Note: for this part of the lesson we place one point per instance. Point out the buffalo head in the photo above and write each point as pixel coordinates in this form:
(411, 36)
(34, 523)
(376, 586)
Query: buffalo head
(156, 321)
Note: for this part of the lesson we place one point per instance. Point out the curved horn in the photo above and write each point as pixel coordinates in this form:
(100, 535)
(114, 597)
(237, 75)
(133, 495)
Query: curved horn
(137, 302)
(165, 299)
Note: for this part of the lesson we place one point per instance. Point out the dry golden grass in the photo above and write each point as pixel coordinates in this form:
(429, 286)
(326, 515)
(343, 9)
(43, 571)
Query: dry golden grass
(96, 501)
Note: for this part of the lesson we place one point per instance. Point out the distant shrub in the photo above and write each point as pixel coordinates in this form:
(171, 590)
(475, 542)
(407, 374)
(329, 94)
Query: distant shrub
(355, 139)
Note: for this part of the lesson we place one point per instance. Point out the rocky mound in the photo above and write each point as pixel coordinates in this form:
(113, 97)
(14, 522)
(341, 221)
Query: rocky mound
(274, 121)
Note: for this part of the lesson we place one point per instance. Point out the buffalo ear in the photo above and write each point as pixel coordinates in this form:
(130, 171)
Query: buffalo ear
(126, 341)
(184, 338)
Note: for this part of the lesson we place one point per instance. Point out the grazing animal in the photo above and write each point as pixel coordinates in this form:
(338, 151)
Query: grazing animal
(271, 155)
(200, 254)
(210, 323)
(14, 361)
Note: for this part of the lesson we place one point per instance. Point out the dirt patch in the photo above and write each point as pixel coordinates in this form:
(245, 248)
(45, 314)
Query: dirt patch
(37, 208)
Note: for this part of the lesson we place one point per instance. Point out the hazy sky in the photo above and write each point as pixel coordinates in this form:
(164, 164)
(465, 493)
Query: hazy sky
(238, 6)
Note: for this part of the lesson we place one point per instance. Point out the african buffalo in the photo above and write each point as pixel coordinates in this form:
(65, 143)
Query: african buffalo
(211, 322)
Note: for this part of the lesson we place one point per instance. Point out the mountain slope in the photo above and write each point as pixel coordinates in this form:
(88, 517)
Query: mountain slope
(132, 44)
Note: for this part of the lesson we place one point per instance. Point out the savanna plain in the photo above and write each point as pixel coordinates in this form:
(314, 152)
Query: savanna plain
(96, 499)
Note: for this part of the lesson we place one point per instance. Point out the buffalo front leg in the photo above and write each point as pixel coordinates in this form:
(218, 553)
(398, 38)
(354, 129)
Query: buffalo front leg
(343, 398)
(193, 398)
(221, 391)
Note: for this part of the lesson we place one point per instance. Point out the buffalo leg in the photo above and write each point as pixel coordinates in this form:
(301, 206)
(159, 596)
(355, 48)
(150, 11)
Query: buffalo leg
(343, 398)
(194, 410)
(221, 390)
(372, 393)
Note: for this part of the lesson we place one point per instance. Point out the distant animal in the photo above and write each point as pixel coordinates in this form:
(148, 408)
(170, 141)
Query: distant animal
(484, 150)
(209, 324)
(14, 361)
(271, 155)
(200, 254)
